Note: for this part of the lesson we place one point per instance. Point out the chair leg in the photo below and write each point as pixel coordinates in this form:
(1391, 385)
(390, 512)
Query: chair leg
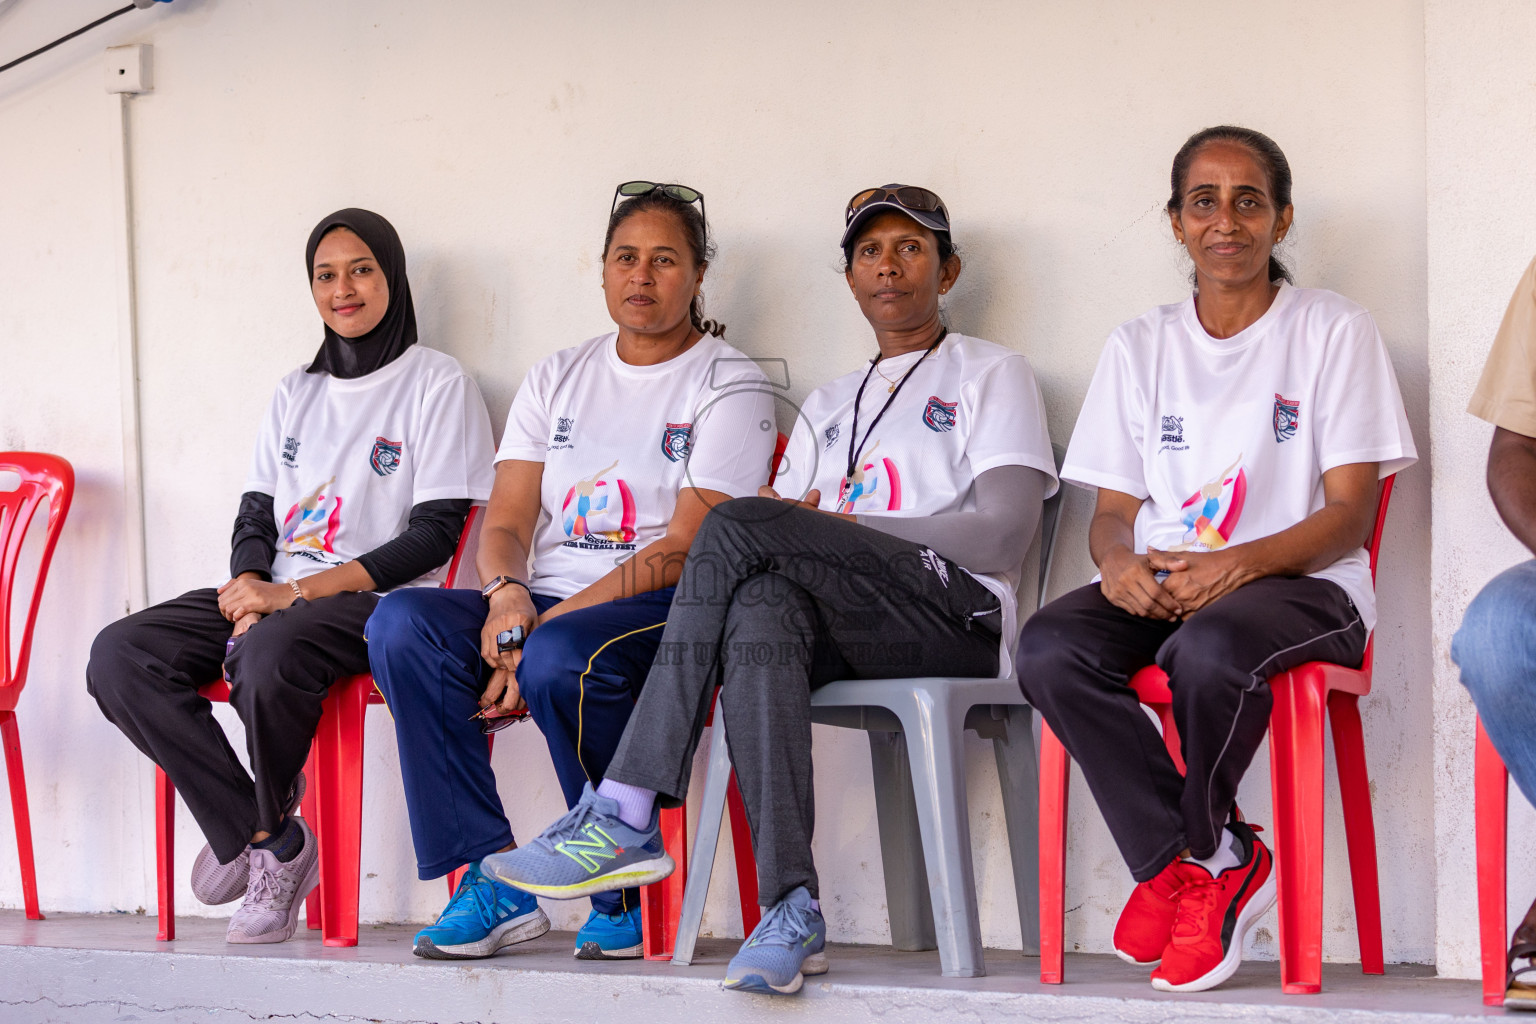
(934, 732)
(746, 860)
(661, 903)
(165, 854)
(1359, 825)
(1492, 814)
(1020, 778)
(18, 780)
(908, 901)
(339, 760)
(1296, 774)
(706, 838)
(1054, 769)
(309, 811)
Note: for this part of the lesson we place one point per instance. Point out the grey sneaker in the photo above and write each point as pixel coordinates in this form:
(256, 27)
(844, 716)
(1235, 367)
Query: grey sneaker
(586, 851)
(276, 893)
(787, 944)
(216, 884)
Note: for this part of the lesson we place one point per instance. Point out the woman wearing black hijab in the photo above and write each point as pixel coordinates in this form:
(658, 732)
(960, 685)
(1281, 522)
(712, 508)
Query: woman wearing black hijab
(364, 471)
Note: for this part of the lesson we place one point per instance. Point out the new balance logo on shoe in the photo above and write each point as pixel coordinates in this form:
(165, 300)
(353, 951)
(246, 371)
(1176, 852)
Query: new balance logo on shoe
(591, 848)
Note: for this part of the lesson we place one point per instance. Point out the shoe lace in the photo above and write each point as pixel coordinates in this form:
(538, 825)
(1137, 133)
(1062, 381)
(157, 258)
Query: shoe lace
(267, 888)
(567, 826)
(475, 895)
(784, 925)
(1197, 897)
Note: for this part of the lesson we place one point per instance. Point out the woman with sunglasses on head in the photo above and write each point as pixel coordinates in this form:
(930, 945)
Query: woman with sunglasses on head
(364, 471)
(613, 453)
(1237, 440)
(913, 487)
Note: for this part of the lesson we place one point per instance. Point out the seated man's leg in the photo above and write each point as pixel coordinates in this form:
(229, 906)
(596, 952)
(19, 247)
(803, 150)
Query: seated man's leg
(1495, 648)
(280, 671)
(424, 646)
(580, 674)
(144, 672)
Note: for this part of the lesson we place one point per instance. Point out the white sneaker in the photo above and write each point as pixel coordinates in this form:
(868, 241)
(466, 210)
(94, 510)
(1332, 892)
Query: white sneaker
(275, 894)
(216, 884)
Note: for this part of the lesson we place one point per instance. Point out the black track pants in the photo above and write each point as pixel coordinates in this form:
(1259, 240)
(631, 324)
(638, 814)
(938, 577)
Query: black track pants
(145, 670)
(1077, 654)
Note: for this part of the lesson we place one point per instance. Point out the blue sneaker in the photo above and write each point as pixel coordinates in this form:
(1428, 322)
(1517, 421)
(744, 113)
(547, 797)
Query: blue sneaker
(588, 850)
(481, 917)
(610, 936)
(786, 945)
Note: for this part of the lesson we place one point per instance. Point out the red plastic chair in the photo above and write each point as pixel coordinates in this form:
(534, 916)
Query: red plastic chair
(1492, 815)
(661, 904)
(42, 476)
(333, 804)
(1303, 697)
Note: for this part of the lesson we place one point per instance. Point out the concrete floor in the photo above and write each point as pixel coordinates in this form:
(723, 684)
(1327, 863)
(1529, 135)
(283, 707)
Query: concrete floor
(86, 969)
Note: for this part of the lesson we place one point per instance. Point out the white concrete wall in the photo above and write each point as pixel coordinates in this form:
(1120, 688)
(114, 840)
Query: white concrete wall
(492, 134)
(1481, 126)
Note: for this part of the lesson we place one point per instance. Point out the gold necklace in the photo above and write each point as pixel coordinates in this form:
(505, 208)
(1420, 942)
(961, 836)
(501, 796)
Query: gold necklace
(891, 384)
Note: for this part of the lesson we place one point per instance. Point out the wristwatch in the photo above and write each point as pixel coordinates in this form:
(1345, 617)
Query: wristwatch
(501, 581)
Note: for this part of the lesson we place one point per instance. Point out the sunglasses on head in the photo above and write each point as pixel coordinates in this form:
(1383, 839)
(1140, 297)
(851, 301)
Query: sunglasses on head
(636, 189)
(909, 197)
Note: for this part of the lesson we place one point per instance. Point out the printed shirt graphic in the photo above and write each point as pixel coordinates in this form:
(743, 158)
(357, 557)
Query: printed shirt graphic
(1228, 439)
(972, 406)
(345, 460)
(619, 442)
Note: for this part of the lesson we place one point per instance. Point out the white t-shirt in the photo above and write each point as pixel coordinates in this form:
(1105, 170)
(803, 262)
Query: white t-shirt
(1229, 439)
(345, 460)
(970, 407)
(618, 443)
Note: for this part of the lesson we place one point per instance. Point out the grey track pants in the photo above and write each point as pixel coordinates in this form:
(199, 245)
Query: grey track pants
(774, 601)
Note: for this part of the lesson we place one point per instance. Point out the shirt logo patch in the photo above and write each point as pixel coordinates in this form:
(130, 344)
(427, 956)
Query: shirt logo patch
(386, 456)
(939, 415)
(1287, 418)
(1173, 434)
(291, 452)
(677, 441)
(831, 434)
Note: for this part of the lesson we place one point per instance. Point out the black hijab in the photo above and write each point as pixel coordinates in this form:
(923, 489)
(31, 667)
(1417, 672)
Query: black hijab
(347, 358)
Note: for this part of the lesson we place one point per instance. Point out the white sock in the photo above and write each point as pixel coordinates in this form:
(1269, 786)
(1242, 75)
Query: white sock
(1226, 855)
(634, 803)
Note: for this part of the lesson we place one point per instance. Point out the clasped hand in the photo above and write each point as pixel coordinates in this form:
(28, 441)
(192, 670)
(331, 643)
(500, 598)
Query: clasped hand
(244, 601)
(1193, 580)
(510, 606)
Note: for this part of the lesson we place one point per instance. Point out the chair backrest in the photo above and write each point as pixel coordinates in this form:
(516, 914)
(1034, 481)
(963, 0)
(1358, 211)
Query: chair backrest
(42, 476)
(778, 457)
(1050, 519)
(461, 571)
(1373, 546)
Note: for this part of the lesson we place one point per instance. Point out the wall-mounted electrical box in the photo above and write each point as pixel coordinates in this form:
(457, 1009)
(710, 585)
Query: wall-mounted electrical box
(130, 68)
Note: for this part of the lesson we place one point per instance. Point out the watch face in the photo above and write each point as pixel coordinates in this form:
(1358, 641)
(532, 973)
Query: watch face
(491, 587)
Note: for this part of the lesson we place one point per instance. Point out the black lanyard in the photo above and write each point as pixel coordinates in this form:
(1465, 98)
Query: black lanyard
(854, 453)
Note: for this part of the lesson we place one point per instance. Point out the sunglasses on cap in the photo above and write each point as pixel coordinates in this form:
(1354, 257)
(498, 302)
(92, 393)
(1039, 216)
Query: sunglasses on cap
(908, 197)
(636, 189)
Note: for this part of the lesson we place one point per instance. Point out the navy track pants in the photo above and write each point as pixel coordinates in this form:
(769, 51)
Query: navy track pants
(580, 675)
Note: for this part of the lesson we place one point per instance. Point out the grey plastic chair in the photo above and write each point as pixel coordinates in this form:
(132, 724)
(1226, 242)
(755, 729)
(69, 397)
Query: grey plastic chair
(916, 748)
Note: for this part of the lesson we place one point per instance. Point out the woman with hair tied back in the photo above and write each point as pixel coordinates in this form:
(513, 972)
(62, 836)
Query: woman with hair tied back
(1236, 440)
(912, 489)
(613, 452)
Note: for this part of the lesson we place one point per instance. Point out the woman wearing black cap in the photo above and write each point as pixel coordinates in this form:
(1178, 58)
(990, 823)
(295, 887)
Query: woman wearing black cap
(364, 471)
(913, 489)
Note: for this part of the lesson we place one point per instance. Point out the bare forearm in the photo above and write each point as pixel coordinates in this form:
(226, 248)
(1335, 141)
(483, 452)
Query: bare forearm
(1108, 532)
(349, 576)
(657, 565)
(501, 554)
(1512, 483)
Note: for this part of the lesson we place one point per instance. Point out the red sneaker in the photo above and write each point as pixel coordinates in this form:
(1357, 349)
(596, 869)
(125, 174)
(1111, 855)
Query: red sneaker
(1214, 914)
(1146, 923)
